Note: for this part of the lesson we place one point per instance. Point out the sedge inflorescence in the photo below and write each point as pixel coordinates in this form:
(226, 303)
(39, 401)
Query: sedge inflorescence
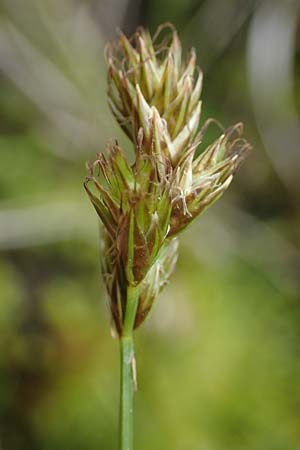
(155, 97)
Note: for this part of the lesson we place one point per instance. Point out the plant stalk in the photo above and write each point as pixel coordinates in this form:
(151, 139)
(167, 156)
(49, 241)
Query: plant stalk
(127, 382)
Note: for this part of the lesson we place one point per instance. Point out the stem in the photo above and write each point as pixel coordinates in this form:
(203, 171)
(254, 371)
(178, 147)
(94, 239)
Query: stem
(126, 365)
(126, 399)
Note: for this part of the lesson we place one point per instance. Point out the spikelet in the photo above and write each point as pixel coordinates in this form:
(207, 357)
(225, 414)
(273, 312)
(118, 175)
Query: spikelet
(134, 207)
(146, 76)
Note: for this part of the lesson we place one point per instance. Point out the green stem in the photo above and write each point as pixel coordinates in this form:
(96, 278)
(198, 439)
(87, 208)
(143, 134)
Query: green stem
(126, 376)
(126, 394)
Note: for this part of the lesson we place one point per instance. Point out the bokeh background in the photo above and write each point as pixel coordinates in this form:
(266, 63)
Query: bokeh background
(219, 359)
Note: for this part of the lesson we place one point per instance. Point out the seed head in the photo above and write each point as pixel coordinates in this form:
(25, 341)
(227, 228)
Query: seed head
(134, 207)
(154, 96)
(200, 181)
(116, 281)
(147, 74)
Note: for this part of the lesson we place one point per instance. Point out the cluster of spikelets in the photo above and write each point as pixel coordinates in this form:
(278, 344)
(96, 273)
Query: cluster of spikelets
(154, 96)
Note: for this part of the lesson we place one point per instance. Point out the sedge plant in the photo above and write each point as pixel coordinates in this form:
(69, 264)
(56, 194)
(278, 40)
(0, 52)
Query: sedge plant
(155, 97)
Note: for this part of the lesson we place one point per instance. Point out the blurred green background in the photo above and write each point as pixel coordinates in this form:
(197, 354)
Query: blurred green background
(219, 359)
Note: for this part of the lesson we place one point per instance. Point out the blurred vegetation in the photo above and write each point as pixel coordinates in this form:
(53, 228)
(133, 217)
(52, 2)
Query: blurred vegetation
(219, 360)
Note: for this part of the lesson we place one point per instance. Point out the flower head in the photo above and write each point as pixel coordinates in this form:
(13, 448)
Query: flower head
(116, 281)
(148, 74)
(200, 181)
(143, 206)
(134, 207)
(133, 203)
